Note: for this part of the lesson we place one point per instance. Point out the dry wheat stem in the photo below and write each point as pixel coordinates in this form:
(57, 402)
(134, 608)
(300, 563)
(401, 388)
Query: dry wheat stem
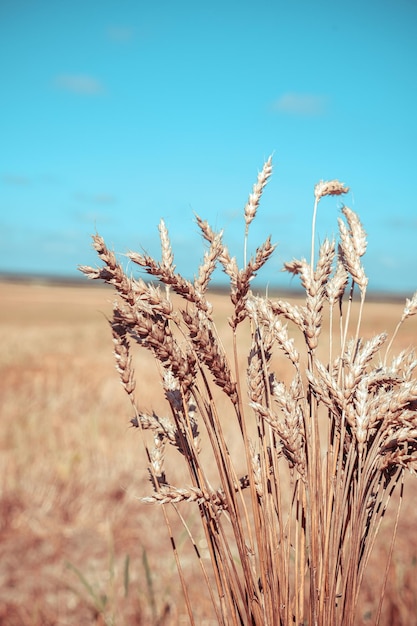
(409, 310)
(291, 519)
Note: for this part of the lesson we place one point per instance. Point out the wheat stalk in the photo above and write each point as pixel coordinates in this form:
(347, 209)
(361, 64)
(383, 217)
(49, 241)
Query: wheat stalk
(289, 537)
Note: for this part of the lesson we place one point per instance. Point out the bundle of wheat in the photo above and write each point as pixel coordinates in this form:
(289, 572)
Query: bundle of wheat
(289, 535)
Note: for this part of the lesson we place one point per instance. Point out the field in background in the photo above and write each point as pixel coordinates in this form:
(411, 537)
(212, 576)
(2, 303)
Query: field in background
(76, 545)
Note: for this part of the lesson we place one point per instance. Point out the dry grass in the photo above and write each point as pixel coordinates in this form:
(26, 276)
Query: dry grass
(69, 468)
(78, 546)
(71, 473)
(291, 473)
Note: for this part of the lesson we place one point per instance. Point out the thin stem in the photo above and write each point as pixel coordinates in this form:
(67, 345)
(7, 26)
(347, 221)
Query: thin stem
(200, 560)
(397, 328)
(391, 549)
(313, 232)
(179, 567)
(344, 333)
(363, 293)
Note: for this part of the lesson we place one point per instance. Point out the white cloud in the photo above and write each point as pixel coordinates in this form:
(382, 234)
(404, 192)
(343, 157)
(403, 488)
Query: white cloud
(91, 217)
(15, 179)
(104, 198)
(120, 34)
(79, 83)
(304, 104)
(97, 198)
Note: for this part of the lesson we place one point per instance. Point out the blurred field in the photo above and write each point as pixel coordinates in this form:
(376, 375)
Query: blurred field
(76, 545)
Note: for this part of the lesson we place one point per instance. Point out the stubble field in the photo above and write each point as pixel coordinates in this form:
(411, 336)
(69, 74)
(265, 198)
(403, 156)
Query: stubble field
(76, 545)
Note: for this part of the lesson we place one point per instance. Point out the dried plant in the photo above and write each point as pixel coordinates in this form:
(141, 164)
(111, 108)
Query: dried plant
(291, 479)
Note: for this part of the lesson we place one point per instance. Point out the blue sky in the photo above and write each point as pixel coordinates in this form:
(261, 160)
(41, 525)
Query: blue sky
(117, 113)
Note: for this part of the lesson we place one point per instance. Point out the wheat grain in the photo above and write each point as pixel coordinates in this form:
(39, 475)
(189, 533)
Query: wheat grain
(356, 231)
(255, 197)
(336, 285)
(123, 357)
(303, 470)
(329, 188)
(350, 257)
